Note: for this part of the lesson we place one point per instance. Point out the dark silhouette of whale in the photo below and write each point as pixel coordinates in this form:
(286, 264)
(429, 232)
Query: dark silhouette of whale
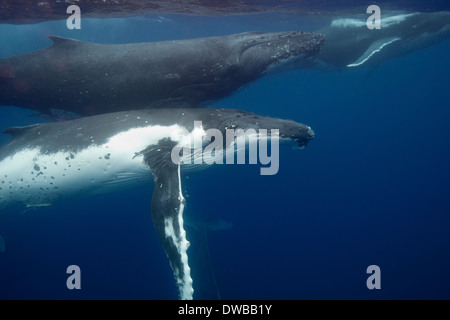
(89, 78)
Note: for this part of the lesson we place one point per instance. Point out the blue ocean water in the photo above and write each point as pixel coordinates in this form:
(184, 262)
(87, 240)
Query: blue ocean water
(371, 189)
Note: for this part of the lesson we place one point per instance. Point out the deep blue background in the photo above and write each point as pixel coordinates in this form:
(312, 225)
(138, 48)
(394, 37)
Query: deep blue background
(372, 188)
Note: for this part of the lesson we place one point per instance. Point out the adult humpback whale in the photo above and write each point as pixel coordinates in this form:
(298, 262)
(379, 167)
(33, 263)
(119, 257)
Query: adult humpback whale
(90, 78)
(48, 162)
(350, 44)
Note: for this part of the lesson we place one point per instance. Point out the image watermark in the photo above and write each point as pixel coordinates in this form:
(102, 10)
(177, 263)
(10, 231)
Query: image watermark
(74, 21)
(374, 21)
(74, 280)
(210, 147)
(374, 280)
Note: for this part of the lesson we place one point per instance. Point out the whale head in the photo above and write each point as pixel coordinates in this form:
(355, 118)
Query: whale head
(289, 131)
(260, 52)
(426, 29)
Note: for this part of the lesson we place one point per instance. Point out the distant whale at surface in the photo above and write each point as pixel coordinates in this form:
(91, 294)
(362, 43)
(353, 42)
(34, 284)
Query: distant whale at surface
(89, 78)
(350, 44)
(44, 163)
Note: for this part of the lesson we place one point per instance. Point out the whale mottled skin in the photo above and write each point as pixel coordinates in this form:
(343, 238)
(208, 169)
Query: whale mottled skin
(350, 44)
(45, 163)
(90, 78)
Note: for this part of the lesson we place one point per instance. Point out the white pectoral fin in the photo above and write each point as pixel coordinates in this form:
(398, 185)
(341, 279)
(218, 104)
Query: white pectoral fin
(167, 214)
(374, 48)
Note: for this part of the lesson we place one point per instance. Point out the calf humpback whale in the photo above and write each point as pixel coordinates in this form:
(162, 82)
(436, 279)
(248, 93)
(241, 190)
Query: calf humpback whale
(45, 163)
(90, 78)
(351, 44)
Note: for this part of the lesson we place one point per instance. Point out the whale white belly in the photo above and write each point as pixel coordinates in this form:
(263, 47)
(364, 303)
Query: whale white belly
(35, 179)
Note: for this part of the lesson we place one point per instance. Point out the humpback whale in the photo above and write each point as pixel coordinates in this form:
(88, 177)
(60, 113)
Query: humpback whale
(350, 44)
(45, 163)
(90, 78)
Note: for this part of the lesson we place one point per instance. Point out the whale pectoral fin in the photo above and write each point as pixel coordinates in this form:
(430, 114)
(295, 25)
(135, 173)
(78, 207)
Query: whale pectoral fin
(374, 48)
(167, 214)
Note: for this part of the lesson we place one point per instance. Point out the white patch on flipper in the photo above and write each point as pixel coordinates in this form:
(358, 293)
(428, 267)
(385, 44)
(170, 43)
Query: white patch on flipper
(184, 283)
(373, 49)
(33, 178)
(358, 23)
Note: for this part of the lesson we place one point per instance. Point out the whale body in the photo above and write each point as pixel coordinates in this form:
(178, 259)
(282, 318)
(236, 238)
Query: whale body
(85, 78)
(45, 163)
